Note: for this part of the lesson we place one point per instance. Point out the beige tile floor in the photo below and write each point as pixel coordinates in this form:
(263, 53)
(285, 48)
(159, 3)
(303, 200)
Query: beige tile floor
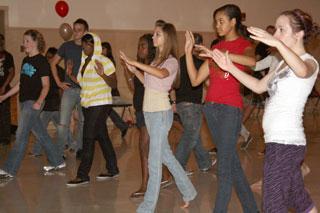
(35, 191)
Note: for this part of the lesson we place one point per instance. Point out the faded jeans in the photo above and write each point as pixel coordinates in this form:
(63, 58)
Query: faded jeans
(70, 100)
(224, 123)
(158, 125)
(46, 117)
(191, 116)
(29, 119)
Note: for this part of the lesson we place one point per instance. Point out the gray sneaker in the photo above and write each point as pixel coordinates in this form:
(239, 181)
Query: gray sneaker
(213, 162)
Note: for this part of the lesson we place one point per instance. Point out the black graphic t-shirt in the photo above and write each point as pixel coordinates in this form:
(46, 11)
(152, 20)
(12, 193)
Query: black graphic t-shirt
(6, 62)
(53, 98)
(32, 69)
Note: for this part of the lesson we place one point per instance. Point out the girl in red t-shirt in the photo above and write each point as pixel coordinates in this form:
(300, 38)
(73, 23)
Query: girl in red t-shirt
(223, 105)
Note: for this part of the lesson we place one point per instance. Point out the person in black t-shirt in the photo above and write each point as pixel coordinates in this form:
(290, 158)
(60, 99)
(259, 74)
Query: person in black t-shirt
(146, 54)
(6, 76)
(189, 108)
(33, 87)
(51, 107)
(114, 116)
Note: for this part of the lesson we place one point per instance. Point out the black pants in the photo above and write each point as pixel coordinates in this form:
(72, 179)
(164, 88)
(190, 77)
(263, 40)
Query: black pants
(117, 120)
(5, 122)
(95, 128)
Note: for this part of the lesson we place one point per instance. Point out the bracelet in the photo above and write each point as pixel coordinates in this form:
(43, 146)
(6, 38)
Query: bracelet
(130, 79)
(173, 102)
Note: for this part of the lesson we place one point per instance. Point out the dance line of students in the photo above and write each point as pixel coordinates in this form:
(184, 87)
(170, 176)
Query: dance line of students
(224, 65)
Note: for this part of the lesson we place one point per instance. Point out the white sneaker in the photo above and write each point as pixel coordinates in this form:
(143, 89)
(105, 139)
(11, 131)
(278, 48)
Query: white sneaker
(2, 172)
(189, 172)
(50, 168)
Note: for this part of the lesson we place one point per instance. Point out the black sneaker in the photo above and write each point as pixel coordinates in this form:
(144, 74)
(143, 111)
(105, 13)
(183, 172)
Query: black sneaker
(77, 182)
(5, 177)
(106, 176)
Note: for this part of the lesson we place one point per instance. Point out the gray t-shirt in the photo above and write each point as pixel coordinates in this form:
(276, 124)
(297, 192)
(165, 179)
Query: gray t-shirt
(71, 51)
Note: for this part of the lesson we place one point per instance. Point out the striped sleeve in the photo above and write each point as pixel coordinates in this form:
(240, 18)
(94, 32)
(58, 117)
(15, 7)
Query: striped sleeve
(108, 66)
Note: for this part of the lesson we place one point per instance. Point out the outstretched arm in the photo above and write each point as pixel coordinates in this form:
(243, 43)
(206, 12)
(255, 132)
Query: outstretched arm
(302, 69)
(132, 68)
(224, 62)
(155, 71)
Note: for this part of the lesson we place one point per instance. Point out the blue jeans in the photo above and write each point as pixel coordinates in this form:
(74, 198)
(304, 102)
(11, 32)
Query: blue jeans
(46, 117)
(29, 119)
(191, 115)
(70, 100)
(224, 123)
(158, 125)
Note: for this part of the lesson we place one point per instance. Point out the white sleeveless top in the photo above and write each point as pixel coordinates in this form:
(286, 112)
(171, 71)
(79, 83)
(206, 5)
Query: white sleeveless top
(282, 120)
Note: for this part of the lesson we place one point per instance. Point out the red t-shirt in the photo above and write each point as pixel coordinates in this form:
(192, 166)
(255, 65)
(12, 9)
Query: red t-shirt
(223, 87)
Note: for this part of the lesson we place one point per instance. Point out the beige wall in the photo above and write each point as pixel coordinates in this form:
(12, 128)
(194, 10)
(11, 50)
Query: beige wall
(140, 14)
(125, 40)
(122, 21)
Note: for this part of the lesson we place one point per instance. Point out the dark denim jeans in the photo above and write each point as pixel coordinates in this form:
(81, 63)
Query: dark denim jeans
(95, 128)
(224, 123)
(191, 116)
(29, 119)
(5, 122)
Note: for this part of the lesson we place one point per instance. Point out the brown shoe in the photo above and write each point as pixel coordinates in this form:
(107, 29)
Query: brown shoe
(139, 193)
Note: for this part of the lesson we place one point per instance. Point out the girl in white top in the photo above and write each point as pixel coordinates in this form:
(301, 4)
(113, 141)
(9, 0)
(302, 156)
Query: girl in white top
(288, 86)
(158, 79)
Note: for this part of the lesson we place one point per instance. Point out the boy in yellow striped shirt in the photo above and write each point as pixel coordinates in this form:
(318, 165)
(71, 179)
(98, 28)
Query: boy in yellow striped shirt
(96, 78)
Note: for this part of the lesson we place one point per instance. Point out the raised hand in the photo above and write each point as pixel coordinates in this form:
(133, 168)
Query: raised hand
(126, 59)
(204, 51)
(222, 60)
(263, 36)
(99, 68)
(189, 42)
(128, 62)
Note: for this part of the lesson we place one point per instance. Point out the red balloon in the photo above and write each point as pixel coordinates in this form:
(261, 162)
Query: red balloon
(62, 8)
